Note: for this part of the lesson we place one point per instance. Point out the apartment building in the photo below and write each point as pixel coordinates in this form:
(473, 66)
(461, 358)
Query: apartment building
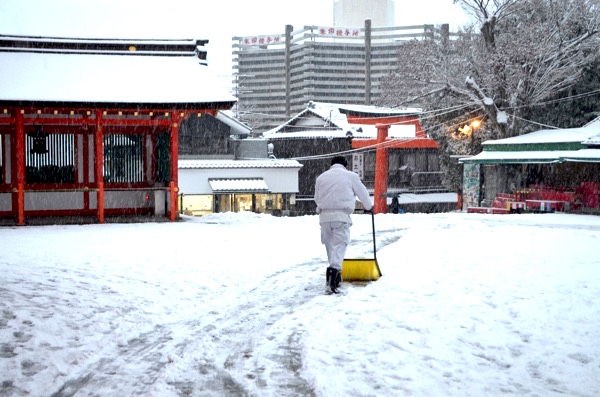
(276, 76)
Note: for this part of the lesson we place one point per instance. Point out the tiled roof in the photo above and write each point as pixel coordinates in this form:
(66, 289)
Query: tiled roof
(335, 122)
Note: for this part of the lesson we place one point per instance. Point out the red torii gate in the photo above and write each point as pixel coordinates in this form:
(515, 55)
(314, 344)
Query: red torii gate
(382, 143)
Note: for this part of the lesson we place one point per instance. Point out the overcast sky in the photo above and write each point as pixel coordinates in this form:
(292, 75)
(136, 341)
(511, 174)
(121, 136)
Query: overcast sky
(217, 21)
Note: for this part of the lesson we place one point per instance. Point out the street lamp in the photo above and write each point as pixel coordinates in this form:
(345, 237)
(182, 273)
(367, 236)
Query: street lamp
(467, 129)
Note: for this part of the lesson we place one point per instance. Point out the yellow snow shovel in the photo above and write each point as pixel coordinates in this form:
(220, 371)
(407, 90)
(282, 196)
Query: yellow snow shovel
(362, 269)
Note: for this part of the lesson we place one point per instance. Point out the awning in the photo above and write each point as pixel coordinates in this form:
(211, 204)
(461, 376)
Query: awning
(239, 185)
(585, 156)
(519, 157)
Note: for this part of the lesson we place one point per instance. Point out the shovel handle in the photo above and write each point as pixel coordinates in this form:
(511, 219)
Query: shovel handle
(374, 245)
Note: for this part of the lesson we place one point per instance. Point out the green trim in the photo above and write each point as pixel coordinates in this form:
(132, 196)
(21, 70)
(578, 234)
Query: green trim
(514, 161)
(533, 147)
(581, 159)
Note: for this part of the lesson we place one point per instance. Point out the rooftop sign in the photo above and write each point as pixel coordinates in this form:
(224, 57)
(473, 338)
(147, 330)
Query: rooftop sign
(338, 32)
(323, 31)
(263, 40)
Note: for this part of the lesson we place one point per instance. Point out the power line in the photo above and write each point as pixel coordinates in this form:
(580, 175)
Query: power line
(577, 96)
(442, 111)
(426, 115)
(534, 122)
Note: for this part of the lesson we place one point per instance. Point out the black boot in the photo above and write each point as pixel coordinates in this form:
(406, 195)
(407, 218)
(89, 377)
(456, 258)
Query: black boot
(338, 279)
(334, 278)
(328, 275)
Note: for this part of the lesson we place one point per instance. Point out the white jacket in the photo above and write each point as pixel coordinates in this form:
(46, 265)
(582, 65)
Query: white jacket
(336, 190)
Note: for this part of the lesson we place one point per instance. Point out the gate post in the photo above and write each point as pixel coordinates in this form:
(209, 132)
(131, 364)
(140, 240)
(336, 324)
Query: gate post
(99, 165)
(20, 152)
(173, 189)
(381, 170)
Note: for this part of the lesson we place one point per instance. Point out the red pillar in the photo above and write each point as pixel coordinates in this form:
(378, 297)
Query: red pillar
(381, 170)
(173, 188)
(20, 149)
(99, 165)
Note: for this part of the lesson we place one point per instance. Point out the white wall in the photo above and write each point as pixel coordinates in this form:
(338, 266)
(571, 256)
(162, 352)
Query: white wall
(125, 199)
(38, 201)
(5, 201)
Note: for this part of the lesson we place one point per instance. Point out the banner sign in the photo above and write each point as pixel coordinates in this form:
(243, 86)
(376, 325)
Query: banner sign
(358, 165)
(324, 31)
(338, 32)
(471, 185)
(263, 40)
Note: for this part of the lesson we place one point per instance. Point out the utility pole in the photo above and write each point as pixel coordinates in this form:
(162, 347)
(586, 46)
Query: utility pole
(367, 61)
(288, 74)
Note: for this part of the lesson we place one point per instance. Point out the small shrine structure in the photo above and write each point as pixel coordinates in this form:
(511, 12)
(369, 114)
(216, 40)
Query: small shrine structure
(382, 145)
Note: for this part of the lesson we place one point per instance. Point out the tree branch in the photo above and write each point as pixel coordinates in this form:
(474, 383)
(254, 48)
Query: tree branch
(497, 117)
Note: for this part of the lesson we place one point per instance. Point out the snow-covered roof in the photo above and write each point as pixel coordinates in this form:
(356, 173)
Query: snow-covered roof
(543, 146)
(534, 156)
(129, 46)
(218, 163)
(335, 123)
(330, 115)
(561, 135)
(338, 111)
(584, 155)
(518, 156)
(96, 78)
(236, 125)
(375, 110)
(594, 139)
(358, 132)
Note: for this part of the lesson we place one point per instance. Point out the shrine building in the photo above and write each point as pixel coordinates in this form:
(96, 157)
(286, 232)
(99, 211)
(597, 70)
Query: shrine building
(89, 127)
(400, 160)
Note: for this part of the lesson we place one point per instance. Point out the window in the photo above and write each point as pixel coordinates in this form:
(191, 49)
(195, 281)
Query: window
(123, 158)
(163, 158)
(49, 158)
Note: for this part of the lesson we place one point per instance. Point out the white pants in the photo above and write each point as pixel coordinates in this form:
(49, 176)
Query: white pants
(336, 237)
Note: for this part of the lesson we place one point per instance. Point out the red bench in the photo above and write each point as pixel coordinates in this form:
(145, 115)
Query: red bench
(487, 210)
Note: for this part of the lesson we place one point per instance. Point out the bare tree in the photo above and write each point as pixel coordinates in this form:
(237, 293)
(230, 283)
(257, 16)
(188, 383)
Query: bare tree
(522, 53)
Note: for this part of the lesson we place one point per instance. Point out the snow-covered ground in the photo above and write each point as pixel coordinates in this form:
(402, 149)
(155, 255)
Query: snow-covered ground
(234, 305)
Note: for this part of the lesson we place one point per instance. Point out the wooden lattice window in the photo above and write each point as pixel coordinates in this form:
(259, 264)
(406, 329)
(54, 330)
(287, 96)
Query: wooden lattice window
(123, 158)
(49, 158)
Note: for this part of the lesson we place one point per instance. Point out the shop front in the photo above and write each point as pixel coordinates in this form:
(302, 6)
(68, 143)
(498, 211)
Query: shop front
(546, 170)
(264, 203)
(262, 186)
